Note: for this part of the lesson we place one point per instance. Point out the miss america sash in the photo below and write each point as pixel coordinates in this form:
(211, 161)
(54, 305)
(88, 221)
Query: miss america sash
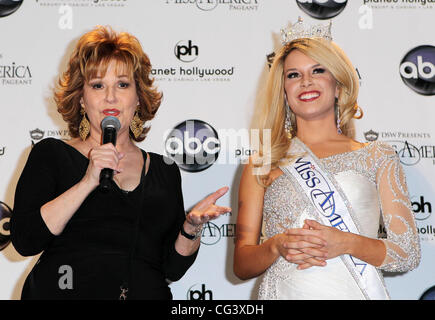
(332, 207)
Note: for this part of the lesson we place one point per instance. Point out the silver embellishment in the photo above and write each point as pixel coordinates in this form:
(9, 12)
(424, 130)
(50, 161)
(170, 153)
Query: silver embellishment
(299, 30)
(284, 206)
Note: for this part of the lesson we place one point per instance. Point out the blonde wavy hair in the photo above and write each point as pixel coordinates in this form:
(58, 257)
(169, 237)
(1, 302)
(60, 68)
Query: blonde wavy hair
(272, 113)
(92, 54)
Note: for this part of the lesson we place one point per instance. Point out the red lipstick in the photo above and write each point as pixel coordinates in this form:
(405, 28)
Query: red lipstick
(111, 112)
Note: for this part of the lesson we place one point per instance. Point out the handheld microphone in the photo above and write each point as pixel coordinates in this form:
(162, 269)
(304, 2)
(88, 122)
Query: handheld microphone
(110, 126)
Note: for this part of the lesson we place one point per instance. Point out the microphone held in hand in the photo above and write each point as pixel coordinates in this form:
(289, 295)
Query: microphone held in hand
(110, 126)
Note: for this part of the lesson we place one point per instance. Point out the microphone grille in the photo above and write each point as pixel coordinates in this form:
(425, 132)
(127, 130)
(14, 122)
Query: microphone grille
(111, 122)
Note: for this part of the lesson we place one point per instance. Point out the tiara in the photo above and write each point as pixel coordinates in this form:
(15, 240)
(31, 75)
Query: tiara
(300, 30)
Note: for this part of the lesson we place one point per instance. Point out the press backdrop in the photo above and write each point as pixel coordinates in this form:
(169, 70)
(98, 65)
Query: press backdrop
(210, 59)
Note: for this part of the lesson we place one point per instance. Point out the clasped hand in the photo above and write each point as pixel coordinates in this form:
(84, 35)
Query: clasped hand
(311, 245)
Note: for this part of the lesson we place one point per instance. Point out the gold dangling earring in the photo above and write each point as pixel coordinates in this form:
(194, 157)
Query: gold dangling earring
(136, 124)
(85, 126)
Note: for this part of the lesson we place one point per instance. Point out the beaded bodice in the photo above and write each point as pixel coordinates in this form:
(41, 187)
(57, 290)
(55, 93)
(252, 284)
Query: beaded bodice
(373, 182)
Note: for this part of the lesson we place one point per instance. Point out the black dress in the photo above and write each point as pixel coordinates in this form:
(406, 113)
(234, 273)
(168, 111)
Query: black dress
(95, 246)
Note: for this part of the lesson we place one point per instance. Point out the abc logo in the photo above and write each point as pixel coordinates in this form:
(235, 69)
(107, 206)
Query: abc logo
(322, 9)
(417, 70)
(8, 7)
(193, 144)
(185, 51)
(5, 217)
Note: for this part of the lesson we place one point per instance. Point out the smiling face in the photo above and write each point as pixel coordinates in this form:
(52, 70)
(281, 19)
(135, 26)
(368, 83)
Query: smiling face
(310, 88)
(113, 94)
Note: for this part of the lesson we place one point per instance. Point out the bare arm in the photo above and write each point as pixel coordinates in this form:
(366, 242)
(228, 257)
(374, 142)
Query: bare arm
(250, 258)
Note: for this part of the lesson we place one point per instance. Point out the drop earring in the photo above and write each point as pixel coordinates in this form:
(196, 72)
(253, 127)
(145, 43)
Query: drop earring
(84, 127)
(288, 123)
(339, 131)
(136, 124)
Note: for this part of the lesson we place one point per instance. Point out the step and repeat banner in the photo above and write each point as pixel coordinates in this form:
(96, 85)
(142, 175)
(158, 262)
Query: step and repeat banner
(210, 59)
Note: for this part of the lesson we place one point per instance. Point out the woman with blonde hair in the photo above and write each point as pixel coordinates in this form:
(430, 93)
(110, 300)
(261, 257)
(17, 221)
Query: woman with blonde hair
(318, 194)
(128, 240)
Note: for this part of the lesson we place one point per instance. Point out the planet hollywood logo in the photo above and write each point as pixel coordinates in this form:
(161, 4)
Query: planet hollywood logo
(410, 153)
(417, 70)
(7, 7)
(322, 9)
(5, 230)
(422, 209)
(199, 292)
(12, 73)
(37, 134)
(208, 5)
(187, 51)
(193, 145)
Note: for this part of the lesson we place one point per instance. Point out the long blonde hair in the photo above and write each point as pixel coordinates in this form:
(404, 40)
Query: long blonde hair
(272, 113)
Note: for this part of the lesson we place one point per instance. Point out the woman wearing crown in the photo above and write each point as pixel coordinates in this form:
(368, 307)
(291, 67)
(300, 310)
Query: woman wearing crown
(319, 194)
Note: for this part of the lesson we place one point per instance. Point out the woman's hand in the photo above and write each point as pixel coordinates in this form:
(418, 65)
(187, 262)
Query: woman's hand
(105, 156)
(206, 210)
(334, 239)
(304, 250)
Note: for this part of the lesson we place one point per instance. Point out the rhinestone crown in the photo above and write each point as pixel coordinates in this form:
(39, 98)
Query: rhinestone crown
(300, 30)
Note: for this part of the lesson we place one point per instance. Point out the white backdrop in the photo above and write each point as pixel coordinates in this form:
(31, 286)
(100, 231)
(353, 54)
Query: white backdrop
(186, 37)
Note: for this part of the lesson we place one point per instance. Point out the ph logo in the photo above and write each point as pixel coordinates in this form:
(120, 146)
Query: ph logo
(422, 209)
(5, 226)
(201, 294)
(8, 7)
(186, 51)
(417, 70)
(322, 9)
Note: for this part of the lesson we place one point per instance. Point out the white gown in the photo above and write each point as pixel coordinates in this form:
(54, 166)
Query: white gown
(373, 182)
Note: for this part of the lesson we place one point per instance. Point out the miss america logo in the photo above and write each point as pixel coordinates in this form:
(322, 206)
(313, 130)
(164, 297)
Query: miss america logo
(208, 5)
(15, 74)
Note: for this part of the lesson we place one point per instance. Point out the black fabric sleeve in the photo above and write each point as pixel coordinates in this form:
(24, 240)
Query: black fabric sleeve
(176, 265)
(36, 186)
